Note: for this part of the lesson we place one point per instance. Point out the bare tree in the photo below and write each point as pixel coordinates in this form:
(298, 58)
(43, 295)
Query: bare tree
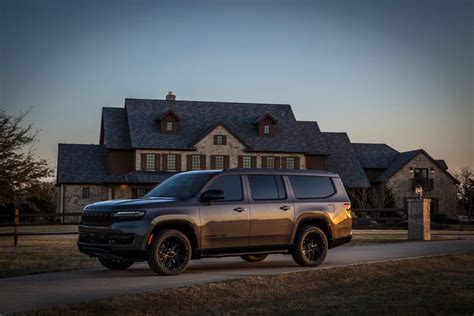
(465, 189)
(19, 168)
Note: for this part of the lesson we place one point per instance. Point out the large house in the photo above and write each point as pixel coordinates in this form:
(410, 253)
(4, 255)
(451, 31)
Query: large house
(147, 141)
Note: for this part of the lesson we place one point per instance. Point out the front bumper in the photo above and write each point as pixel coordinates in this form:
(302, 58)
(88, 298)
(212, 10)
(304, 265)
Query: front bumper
(121, 240)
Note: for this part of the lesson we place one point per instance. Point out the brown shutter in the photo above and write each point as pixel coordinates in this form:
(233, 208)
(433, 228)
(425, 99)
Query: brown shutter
(157, 162)
(241, 162)
(178, 162)
(215, 139)
(254, 162)
(224, 139)
(189, 162)
(213, 162)
(283, 162)
(226, 162)
(277, 163)
(164, 159)
(264, 162)
(143, 161)
(203, 162)
(297, 162)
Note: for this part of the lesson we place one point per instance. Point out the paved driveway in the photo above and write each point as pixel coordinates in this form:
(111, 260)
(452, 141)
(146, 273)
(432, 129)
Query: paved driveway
(44, 290)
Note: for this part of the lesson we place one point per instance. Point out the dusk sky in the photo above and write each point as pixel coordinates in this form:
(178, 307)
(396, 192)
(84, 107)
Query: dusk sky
(397, 72)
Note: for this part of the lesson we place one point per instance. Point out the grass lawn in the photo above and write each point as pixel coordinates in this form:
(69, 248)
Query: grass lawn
(436, 286)
(40, 254)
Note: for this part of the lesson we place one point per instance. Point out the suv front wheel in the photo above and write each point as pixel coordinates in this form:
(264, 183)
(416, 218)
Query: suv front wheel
(311, 247)
(170, 252)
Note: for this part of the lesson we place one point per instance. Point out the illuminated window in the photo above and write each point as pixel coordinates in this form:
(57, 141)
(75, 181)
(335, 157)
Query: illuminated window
(219, 162)
(169, 126)
(266, 129)
(150, 162)
(196, 162)
(247, 162)
(290, 163)
(270, 162)
(171, 163)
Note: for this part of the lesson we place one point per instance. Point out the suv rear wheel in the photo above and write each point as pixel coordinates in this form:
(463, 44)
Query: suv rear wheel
(115, 264)
(170, 253)
(254, 258)
(311, 247)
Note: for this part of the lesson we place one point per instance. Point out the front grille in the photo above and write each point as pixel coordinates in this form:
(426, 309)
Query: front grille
(97, 218)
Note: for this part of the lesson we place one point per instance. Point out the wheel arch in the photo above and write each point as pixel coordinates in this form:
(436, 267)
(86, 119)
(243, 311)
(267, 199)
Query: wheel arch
(319, 221)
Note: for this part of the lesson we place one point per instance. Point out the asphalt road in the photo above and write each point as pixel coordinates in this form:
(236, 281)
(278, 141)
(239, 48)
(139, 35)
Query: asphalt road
(45, 290)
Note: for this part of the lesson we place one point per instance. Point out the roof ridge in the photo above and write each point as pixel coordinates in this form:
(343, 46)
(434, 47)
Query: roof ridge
(205, 101)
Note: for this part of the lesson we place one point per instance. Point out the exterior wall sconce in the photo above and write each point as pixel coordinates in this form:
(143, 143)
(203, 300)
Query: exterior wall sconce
(432, 170)
(412, 170)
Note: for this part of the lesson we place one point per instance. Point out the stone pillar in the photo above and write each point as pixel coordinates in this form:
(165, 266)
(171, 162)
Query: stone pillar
(419, 219)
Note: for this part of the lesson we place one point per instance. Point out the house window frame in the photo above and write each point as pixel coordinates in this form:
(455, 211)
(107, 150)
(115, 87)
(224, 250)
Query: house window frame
(169, 126)
(171, 160)
(219, 140)
(196, 162)
(219, 162)
(290, 163)
(266, 129)
(86, 192)
(150, 162)
(272, 159)
(247, 162)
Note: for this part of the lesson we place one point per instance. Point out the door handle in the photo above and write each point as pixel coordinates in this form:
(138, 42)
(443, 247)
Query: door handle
(240, 209)
(285, 208)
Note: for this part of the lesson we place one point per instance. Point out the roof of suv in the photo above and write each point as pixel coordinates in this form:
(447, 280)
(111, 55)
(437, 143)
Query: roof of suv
(270, 171)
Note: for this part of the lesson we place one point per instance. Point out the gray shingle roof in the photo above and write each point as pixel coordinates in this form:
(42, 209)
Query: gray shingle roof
(343, 160)
(315, 141)
(87, 164)
(400, 160)
(197, 116)
(115, 128)
(82, 164)
(442, 164)
(374, 156)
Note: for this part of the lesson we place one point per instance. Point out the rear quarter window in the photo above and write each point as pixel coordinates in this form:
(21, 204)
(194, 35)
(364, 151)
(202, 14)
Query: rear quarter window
(312, 187)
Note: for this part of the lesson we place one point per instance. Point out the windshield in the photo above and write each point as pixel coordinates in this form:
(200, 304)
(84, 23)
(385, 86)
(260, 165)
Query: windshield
(182, 185)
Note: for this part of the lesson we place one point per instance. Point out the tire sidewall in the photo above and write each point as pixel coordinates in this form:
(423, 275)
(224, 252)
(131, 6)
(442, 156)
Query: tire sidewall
(153, 256)
(298, 255)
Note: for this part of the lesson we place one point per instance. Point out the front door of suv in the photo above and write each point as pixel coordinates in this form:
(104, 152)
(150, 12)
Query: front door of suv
(271, 211)
(225, 223)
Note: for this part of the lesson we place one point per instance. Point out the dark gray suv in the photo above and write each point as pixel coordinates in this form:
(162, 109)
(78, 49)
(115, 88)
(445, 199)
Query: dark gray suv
(215, 213)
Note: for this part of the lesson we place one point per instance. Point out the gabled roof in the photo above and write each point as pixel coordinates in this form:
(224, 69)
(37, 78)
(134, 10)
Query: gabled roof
(402, 159)
(169, 112)
(197, 140)
(197, 116)
(343, 160)
(312, 136)
(264, 116)
(114, 128)
(374, 156)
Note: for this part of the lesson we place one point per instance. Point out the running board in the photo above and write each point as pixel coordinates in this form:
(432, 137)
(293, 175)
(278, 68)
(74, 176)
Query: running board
(218, 253)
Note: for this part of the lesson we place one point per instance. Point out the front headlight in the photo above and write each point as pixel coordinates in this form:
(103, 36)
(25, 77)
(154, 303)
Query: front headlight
(120, 215)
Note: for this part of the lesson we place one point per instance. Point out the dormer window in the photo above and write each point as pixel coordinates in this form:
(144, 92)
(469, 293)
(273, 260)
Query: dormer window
(266, 125)
(169, 122)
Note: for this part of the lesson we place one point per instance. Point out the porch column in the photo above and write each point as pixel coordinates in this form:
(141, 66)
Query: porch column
(419, 219)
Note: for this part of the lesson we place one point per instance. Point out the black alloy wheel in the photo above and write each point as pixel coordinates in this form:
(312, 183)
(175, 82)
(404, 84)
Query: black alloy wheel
(170, 253)
(311, 247)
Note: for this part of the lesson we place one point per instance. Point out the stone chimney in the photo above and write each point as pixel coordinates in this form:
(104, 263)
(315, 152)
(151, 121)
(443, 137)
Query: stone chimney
(170, 96)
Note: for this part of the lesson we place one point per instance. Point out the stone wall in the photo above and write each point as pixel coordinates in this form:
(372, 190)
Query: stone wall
(234, 148)
(444, 187)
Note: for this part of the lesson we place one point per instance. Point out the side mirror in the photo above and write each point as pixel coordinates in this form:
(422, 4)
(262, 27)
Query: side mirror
(212, 195)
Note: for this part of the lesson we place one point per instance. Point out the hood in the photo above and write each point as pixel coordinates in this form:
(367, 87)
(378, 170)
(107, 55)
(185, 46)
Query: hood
(130, 203)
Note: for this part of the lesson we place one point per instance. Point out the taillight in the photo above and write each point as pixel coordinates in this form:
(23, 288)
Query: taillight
(347, 208)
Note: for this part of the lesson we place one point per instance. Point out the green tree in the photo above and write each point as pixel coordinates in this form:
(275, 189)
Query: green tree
(20, 170)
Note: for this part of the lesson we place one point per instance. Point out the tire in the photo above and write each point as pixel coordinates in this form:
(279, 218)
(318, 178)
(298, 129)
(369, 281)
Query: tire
(170, 253)
(115, 264)
(254, 258)
(311, 247)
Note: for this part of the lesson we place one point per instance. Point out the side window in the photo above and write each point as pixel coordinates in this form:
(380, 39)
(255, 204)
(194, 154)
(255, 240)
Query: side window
(312, 187)
(267, 187)
(231, 185)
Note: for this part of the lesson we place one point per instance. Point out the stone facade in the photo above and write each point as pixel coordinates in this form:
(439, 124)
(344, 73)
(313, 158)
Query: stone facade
(419, 219)
(443, 194)
(73, 200)
(233, 147)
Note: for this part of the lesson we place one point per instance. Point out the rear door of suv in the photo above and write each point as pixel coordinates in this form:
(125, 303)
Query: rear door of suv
(271, 210)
